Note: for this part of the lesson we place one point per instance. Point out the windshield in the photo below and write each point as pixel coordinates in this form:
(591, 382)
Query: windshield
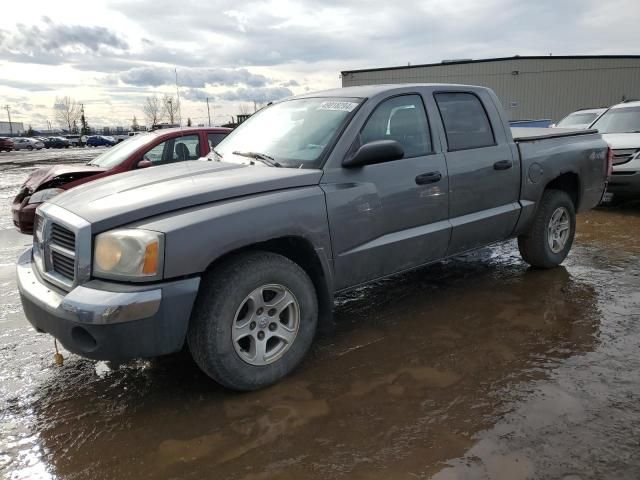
(294, 133)
(120, 152)
(577, 119)
(619, 120)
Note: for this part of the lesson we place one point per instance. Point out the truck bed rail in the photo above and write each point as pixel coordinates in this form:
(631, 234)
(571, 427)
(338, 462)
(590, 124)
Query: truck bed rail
(531, 134)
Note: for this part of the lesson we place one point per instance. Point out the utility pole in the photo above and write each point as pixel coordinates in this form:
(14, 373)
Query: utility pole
(49, 123)
(208, 112)
(171, 119)
(8, 108)
(178, 95)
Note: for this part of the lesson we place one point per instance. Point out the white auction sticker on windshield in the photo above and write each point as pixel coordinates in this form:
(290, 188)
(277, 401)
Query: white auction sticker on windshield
(339, 106)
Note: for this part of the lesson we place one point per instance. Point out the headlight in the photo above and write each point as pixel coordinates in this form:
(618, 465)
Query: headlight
(129, 254)
(44, 195)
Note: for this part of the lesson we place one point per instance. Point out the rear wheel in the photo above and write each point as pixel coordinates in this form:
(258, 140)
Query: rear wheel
(254, 320)
(30, 148)
(550, 237)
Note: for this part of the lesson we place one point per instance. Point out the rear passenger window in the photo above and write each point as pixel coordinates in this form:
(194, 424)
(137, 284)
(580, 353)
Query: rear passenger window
(465, 121)
(402, 119)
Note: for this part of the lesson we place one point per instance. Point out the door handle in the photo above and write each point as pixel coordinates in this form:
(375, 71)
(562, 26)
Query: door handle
(503, 165)
(431, 177)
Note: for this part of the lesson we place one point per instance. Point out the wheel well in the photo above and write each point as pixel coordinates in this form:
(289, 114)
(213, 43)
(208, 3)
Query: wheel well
(303, 253)
(569, 183)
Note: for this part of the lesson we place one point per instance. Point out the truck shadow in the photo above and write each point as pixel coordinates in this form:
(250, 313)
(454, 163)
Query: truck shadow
(415, 367)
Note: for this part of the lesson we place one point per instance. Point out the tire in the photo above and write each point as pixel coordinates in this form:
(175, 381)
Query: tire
(30, 148)
(537, 246)
(223, 304)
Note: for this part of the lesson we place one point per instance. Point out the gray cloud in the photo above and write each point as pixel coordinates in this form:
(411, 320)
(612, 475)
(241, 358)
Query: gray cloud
(53, 39)
(29, 86)
(191, 77)
(195, 95)
(260, 95)
(377, 33)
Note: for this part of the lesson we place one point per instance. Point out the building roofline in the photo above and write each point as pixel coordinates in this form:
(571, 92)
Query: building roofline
(497, 59)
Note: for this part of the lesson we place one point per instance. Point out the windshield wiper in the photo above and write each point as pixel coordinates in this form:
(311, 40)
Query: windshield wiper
(264, 158)
(217, 154)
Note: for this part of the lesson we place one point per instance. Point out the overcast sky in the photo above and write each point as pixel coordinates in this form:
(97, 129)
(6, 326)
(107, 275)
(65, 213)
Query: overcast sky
(111, 54)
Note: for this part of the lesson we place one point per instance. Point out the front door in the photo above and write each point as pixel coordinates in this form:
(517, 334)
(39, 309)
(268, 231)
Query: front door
(484, 176)
(390, 216)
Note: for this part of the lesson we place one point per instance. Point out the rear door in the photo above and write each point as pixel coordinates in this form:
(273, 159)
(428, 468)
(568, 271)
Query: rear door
(390, 216)
(484, 176)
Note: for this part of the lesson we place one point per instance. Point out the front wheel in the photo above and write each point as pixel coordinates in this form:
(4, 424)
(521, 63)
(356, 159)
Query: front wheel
(548, 241)
(253, 321)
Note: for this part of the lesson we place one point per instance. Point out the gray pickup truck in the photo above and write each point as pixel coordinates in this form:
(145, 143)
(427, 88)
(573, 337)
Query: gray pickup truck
(239, 255)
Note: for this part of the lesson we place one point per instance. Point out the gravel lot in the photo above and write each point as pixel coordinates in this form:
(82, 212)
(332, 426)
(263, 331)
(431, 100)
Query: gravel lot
(475, 368)
(21, 158)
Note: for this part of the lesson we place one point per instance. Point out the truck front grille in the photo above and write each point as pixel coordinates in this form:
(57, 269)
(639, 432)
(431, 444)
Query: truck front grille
(63, 236)
(61, 246)
(63, 265)
(621, 156)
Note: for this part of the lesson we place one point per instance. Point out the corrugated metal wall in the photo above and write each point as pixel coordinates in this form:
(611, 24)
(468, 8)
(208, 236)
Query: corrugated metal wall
(529, 88)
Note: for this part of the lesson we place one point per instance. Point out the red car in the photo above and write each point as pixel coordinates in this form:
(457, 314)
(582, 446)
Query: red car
(140, 151)
(6, 144)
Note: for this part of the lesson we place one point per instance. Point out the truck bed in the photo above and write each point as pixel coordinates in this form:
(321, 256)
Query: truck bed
(530, 134)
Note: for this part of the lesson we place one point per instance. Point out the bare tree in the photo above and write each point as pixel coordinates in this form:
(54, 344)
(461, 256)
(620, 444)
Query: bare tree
(244, 109)
(152, 110)
(171, 107)
(67, 112)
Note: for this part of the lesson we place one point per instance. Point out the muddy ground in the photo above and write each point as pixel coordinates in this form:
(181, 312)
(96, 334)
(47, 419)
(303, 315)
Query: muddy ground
(475, 368)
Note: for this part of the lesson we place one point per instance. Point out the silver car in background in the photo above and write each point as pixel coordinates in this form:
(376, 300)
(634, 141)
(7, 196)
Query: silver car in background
(580, 119)
(26, 143)
(620, 127)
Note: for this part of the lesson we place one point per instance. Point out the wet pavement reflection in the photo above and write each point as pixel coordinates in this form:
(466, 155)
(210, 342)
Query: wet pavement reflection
(478, 367)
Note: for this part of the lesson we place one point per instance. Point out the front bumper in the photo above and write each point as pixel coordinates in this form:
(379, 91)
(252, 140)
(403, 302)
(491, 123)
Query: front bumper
(24, 213)
(109, 321)
(624, 184)
(625, 180)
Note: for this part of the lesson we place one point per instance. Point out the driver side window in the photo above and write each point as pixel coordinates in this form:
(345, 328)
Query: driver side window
(402, 119)
(175, 150)
(155, 155)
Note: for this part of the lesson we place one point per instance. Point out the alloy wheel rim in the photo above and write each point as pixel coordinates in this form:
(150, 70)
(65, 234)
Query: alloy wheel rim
(265, 324)
(558, 230)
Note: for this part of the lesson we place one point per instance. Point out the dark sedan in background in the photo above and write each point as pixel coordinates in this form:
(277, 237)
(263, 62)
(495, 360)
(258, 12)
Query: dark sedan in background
(56, 142)
(141, 151)
(100, 141)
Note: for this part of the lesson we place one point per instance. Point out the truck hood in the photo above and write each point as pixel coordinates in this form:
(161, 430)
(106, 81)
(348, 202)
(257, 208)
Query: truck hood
(622, 140)
(67, 173)
(121, 199)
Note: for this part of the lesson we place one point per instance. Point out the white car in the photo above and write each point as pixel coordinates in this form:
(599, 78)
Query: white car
(580, 119)
(22, 143)
(620, 127)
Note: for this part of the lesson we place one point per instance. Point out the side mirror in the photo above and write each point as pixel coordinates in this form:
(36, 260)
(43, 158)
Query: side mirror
(145, 164)
(379, 151)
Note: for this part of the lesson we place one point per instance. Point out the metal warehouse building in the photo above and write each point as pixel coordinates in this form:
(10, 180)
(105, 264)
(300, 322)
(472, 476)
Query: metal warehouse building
(7, 128)
(529, 87)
